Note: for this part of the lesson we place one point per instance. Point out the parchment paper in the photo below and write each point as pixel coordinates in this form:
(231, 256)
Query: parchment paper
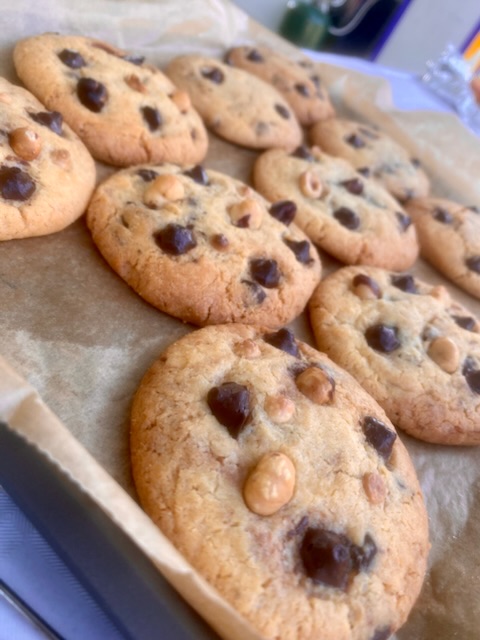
(74, 331)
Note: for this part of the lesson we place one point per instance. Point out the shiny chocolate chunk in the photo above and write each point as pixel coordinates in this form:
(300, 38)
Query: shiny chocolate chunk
(51, 119)
(198, 174)
(303, 152)
(326, 557)
(175, 239)
(302, 89)
(466, 322)
(134, 59)
(383, 338)
(147, 174)
(382, 634)
(15, 184)
(405, 283)
(284, 211)
(363, 556)
(231, 405)
(362, 279)
(152, 117)
(404, 220)
(282, 111)
(473, 263)
(442, 215)
(265, 272)
(254, 56)
(379, 436)
(284, 340)
(214, 74)
(301, 249)
(364, 171)
(72, 59)
(355, 141)
(347, 218)
(256, 290)
(92, 94)
(472, 374)
(354, 186)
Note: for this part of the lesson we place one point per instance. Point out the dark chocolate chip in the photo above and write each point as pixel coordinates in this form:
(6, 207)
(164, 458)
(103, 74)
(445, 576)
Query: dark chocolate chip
(302, 89)
(363, 556)
(404, 283)
(261, 128)
(219, 241)
(254, 56)
(214, 74)
(92, 94)
(316, 81)
(134, 59)
(303, 152)
(51, 119)
(466, 322)
(326, 557)
(301, 249)
(257, 291)
(198, 174)
(147, 174)
(265, 272)
(282, 111)
(354, 186)
(416, 162)
(474, 208)
(284, 340)
(15, 184)
(365, 171)
(362, 279)
(404, 220)
(230, 404)
(355, 141)
(152, 117)
(473, 263)
(442, 215)
(382, 634)
(379, 436)
(175, 239)
(347, 218)
(472, 374)
(72, 59)
(383, 338)
(284, 211)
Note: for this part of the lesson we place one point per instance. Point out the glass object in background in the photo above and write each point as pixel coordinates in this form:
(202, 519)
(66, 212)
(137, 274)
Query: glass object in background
(349, 27)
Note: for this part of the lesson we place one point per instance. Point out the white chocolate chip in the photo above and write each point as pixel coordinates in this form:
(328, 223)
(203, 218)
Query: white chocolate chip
(441, 294)
(25, 142)
(279, 408)
(374, 487)
(247, 349)
(62, 158)
(310, 184)
(247, 213)
(270, 485)
(182, 100)
(445, 353)
(164, 187)
(135, 83)
(316, 385)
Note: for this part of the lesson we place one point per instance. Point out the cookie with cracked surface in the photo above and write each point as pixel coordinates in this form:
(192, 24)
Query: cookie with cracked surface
(414, 349)
(373, 153)
(126, 112)
(46, 174)
(235, 104)
(300, 87)
(282, 482)
(202, 246)
(348, 215)
(449, 237)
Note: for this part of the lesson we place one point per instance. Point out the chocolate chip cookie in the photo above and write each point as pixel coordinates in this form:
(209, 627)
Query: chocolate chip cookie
(449, 237)
(282, 482)
(300, 87)
(236, 105)
(408, 344)
(348, 215)
(373, 153)
(125, 111)
(202, 246)
(46, 174)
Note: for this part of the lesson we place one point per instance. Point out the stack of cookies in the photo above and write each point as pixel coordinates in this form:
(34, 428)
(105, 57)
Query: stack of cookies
(275, 471)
